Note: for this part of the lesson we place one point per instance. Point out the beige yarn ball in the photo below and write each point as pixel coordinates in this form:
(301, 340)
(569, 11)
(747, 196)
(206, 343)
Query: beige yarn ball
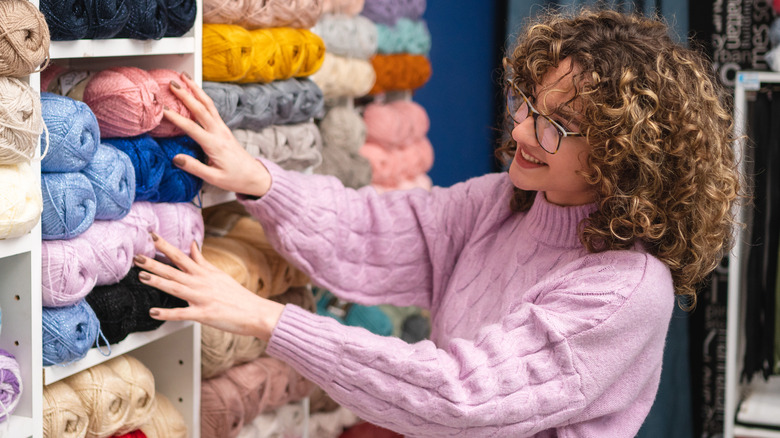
(104, 394)
(64, 416)
(139, 382)
(21, 121)
(24, 38)
(21, 202)
(166, 421)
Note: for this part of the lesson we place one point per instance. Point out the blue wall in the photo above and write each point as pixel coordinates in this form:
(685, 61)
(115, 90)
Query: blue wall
(461, 95)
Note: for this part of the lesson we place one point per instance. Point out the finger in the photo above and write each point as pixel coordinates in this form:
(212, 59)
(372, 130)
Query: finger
(174, 254)
(175, 314)
(196, 255)
(192, 129)
(202, 115)
(201, 95)
(171, 287)
(195, 167)
(160, 269)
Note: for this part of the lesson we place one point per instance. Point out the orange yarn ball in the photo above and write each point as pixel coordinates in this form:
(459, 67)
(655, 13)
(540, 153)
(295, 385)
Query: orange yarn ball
(400, 72)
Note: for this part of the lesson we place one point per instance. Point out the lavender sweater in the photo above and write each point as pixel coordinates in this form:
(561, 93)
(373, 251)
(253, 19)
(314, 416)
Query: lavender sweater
(531, 334)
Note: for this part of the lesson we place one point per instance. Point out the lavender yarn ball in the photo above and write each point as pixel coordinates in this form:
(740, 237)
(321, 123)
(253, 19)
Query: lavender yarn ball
(68, 271)
(68, 332)
(112, 175)
(74, 134)
(10, 384)
(69, 205)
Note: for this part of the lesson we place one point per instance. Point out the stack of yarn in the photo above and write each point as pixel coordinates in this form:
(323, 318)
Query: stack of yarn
(403, 44)
(116, 398)
(24, 47)
(107, 184)
(397, 145)
(100, 19)
(346, 75)
(240, 381)
(257, 60)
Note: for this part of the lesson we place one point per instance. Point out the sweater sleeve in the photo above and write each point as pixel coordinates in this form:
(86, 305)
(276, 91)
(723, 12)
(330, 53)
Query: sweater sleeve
(394, 248)
(545, 365)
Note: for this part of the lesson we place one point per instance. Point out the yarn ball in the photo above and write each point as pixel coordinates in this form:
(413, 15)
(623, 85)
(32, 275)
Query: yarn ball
(226, 98)
(166, 421)
(141, 220)
(180, 224)
(384, 164)
(223, 11)
(400, 71)
(112, 243)
(112, 175)
(347, 7)
(387, 126)
(351, 168)
(69, 205)
(11, 386)
(415, 328)
(63, 413)
(20, 119)
(107, 17)
(282, 52)
(369, 317)
(181, 16)
(406, 36)
(132, 434)
(293, 147)
(176, 184)
(239, 259)
(21, 204)
(67, 19)
(139, 384)
(74, 133)
(68, 271)
(125, 101)
(281, 102)
(24, 44)
(221, 407)
(68, 332)
(416, 115)
(348, 36)
(163, 77)
(301, 14)
(389, 11)
(148, 20)
(227, 52)
(149, 163)
(104, 394)
(343, 128)
(123, 307)
(344, 77)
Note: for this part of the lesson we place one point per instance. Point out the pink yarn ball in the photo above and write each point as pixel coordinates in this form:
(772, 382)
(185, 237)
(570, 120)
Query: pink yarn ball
(180, 223)
(423, 153)
(140, 221)
(68, 271)
(415, 113)
(423, 181)
(125, 101)
(384, 166)
(386, 126)
(163, 77)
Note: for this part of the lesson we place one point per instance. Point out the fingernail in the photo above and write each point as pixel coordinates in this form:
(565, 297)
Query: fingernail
(154, 236)
(144, 276)
(186, 75)
(139, 259)
(154, 312)
(175, 84)
(165, 108)
(179, 161)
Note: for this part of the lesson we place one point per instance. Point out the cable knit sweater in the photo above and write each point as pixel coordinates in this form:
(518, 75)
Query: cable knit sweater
(531, 334)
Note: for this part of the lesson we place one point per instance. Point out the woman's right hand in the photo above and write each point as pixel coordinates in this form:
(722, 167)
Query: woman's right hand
(230, 167)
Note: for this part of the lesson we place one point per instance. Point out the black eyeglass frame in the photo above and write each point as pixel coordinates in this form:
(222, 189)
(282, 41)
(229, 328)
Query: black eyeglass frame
(562, 132)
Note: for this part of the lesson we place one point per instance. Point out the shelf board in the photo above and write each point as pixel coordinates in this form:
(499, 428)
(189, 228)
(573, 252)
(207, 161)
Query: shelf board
(18, 245)
(755, 432)
(211, 196)
(19, 427)
(94, 357)
(123, 46)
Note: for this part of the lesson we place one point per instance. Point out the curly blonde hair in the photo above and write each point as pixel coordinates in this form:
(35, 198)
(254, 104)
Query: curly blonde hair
(660, 129)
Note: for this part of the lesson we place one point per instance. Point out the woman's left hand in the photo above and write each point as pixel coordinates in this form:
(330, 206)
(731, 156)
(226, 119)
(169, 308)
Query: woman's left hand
(214, 297)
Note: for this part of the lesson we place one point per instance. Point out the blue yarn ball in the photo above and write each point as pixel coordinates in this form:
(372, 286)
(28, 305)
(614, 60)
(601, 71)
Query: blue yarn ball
(149, 162)
(178, 185)
(112, 175)
(108, 17)
(73, 133)
(69, 205)
(371, 318)
(406, 36)
(181, 16)
(68, 332)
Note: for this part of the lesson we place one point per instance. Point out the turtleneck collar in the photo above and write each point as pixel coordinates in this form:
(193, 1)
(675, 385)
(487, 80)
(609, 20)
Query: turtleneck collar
(556, 225)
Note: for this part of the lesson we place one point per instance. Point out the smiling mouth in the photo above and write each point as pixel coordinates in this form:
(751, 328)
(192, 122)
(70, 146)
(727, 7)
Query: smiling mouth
(529, 158)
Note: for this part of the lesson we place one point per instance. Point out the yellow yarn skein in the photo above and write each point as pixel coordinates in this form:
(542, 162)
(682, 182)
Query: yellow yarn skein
(227, 52)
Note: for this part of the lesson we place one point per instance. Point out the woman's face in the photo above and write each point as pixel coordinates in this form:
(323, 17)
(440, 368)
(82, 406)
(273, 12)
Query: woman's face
(554, 174)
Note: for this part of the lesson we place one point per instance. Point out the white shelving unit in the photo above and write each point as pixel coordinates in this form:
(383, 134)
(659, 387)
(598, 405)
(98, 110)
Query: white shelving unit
(747, 81)
(172, 352)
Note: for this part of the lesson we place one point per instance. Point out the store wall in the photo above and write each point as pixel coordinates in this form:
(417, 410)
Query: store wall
(462, 94)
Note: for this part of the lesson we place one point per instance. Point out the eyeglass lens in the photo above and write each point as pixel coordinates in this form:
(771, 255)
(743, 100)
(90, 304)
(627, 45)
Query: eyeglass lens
(546, 134)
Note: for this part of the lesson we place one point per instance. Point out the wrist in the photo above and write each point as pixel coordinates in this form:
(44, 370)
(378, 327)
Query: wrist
(269, 316)
(259, 183)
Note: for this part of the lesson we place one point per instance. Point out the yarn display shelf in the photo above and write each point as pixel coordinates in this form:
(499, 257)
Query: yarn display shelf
(94, 357)
(121, 46)
(18, 427)
(18, 245)
(755, 432)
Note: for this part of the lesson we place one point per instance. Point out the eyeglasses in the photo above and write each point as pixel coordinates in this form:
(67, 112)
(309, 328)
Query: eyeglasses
(548, 132)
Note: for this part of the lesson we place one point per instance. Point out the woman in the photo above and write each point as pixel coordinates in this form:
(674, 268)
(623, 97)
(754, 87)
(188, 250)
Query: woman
(550, 286)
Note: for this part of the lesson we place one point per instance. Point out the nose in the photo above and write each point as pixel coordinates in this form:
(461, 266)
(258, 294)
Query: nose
(523, 132)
